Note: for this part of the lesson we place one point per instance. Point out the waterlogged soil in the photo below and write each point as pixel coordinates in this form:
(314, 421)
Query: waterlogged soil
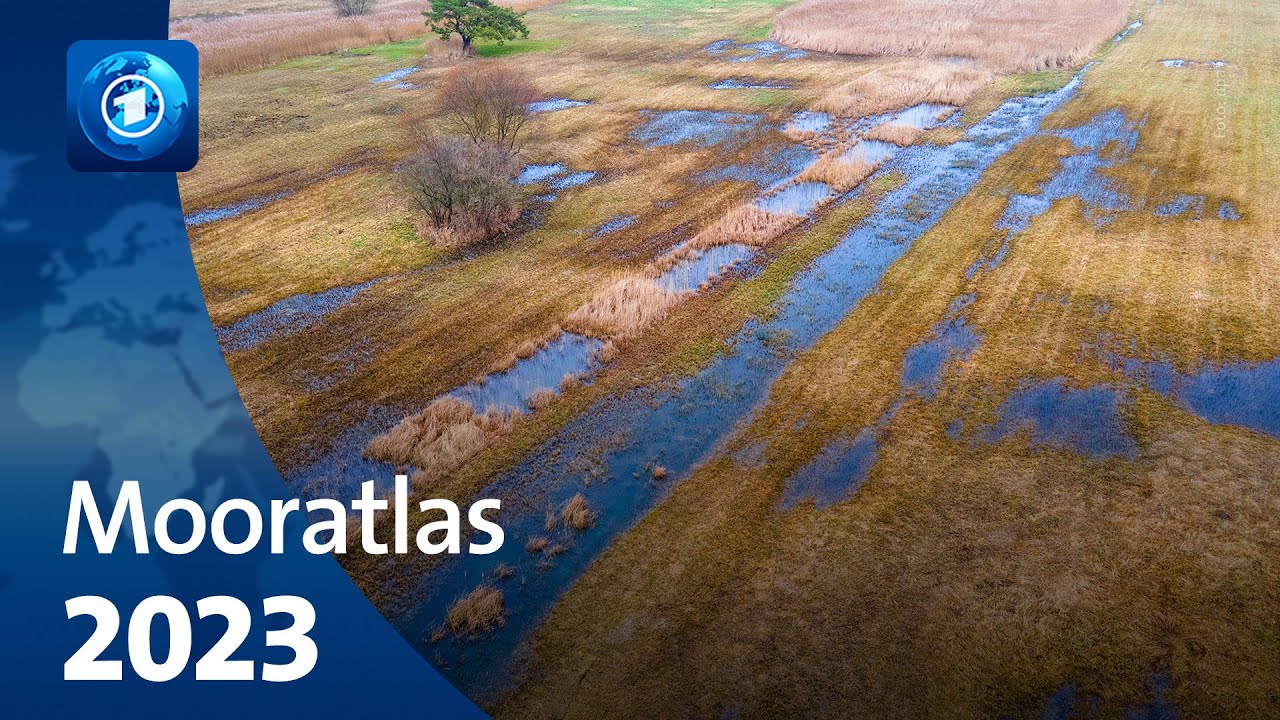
(676, 426)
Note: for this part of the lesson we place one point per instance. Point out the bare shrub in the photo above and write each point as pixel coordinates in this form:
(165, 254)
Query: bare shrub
(577, 514)
(440, 439)
(1010, 35)
(625, 308)
(488, 103)
(352, 8)
(462, 190)
(480, 611)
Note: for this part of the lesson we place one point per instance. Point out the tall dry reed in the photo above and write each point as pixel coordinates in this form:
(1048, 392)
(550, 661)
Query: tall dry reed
(1008, 35)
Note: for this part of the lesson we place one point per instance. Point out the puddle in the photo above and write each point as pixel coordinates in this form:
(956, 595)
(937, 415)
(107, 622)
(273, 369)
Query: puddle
(1069, 703)
(403, 86)
(608, 452)
(1127, 31)
(573, 180)
(553, 104)
(844, 464)
(1179, 63)
(870, 152)
(286, 317)
(708, 264)
(701, 127)
(614, 224)
(839, 470)
(1107, 140)
(742, 83)
(797, 199)
(1088, 420)
(395, 75)
(924, 116)
(512, 389)
(1227, 211)
(1180, 205)
(226, 212)
(808, 121)
(768, 167)
(734, 51)
(533, 174)
(953, 340)
(1246, 394)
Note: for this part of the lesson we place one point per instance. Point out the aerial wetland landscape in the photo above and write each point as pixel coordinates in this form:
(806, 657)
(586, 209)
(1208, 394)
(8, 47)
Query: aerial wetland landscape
(830, 358)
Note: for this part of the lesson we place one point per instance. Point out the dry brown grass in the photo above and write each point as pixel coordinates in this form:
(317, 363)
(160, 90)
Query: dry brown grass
(243, 42)
(536, 545)
(541, 398)
(840, 174)
(1010, 35)
(746, 224)
(480, 611)
(625, 308)
(233, 43)
(904, 83)
(896, 133)
(576, 514)
(440, 439)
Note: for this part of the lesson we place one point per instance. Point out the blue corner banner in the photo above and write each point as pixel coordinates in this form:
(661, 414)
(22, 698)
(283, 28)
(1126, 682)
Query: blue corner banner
(111, 373)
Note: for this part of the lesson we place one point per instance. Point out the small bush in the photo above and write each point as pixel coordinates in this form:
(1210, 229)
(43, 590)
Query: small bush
(352, 8)
(462, 190)
(487, 103)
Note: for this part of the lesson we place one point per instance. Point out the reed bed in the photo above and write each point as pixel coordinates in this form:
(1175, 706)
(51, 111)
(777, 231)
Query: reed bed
(234, 43)
(1007, 35)
(440, 439)
(904, 83)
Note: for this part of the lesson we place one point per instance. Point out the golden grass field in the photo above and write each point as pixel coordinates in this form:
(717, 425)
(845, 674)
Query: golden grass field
(962, 579)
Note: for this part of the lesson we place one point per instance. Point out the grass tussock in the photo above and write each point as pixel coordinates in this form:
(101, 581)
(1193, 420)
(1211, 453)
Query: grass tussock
(577, 514)
(440, 439)
(746, 224)
(626, 307)
(841, 174)
(905, 83)
(1009, 35)
(896, 133)
(480, 611)
(536, 545)
(541, 398)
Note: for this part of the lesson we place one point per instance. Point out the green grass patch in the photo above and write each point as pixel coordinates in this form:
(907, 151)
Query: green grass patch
(771, 98)
(494, 49)
(403, 50)
(1039, 82)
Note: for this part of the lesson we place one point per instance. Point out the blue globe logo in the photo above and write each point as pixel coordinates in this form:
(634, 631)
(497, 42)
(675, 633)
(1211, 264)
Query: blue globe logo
(132, 105)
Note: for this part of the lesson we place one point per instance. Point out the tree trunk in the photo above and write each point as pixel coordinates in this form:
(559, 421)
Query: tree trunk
(467, 50)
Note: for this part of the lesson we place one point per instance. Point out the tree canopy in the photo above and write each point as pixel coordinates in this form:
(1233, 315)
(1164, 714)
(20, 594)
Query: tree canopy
(475, 19)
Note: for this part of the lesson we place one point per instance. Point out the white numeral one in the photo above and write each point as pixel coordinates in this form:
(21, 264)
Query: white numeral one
(215, 665)
(134, 103)
(84, 664)
(140, 638)
(294, 637)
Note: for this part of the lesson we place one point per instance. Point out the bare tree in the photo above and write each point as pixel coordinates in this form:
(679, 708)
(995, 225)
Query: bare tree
(487, 103)
(462, 188)
(351, 8)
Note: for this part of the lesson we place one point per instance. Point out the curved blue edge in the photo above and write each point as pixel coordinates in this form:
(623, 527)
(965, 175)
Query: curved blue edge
(111, 372)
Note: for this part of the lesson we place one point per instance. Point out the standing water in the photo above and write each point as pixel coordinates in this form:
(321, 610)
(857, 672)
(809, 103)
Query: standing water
(610, 452)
